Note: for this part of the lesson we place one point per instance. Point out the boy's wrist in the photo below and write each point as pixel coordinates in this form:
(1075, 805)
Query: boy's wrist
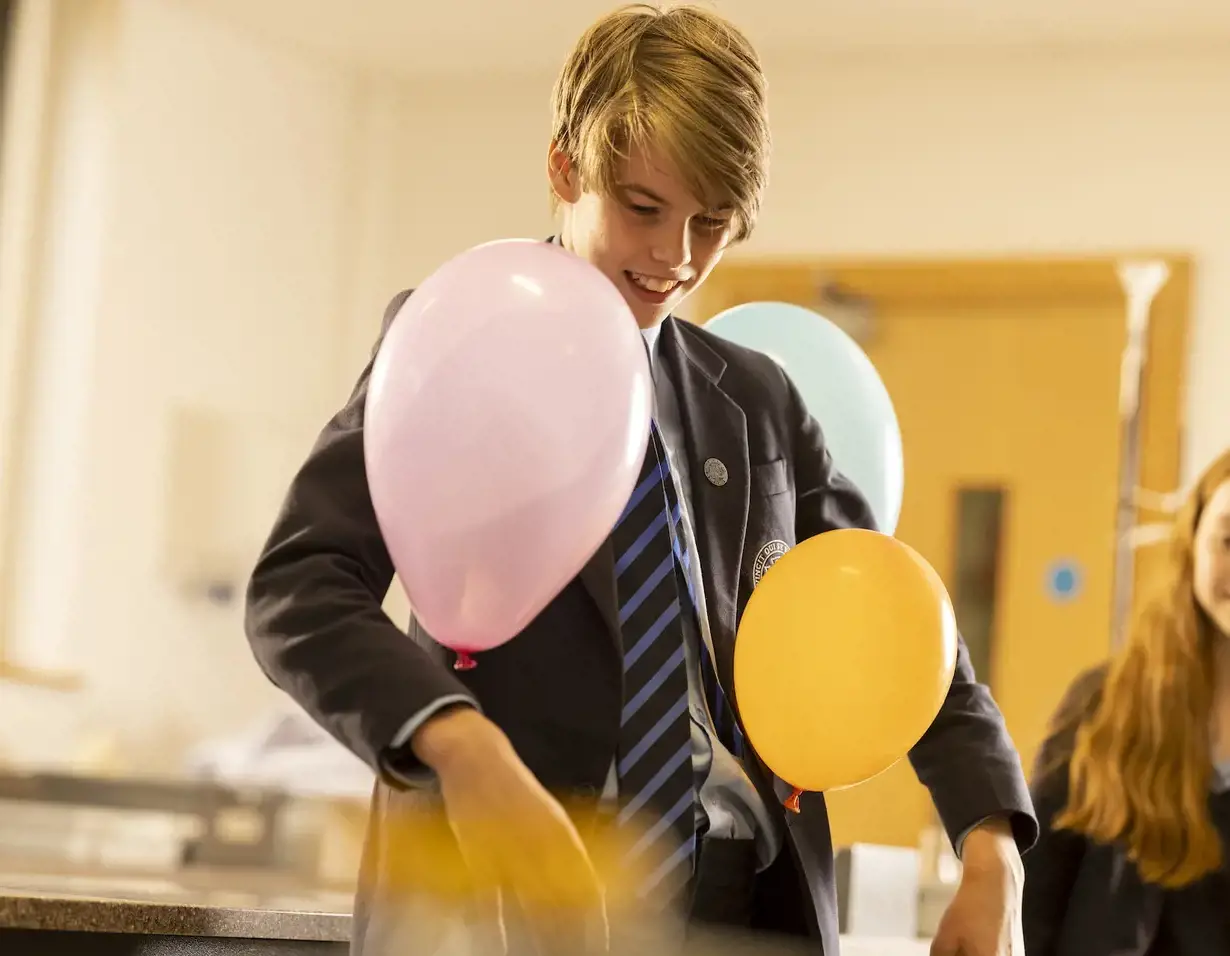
(451, 736)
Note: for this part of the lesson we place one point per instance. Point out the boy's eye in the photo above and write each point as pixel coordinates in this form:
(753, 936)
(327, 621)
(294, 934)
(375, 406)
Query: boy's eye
(707, 223)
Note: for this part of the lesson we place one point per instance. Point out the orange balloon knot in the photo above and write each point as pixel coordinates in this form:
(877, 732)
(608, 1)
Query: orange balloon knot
(464, 662)
(792, 801)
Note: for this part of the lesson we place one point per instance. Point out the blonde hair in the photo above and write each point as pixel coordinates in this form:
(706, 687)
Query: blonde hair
(1141, 765)
(680, 78)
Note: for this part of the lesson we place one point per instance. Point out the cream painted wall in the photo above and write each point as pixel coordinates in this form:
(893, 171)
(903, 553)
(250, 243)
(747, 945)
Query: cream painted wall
(257, 209)
(217, 178)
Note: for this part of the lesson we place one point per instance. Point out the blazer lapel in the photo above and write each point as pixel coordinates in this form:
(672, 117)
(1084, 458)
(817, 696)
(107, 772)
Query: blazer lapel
(716, 437)
(598, 576)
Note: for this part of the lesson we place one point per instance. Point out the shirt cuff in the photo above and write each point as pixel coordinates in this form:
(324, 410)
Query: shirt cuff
(959, 843)
(399, 762)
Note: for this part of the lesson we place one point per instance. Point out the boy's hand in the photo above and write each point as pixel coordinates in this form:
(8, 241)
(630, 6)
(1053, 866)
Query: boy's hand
(512, 833)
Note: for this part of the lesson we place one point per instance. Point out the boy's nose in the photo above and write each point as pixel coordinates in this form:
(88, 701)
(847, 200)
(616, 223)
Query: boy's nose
(673, 249)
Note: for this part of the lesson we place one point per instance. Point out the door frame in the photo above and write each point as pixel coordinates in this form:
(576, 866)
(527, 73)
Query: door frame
(1070, 280)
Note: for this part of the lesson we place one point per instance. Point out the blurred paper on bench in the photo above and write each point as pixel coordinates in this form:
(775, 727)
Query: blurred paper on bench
(285, 750)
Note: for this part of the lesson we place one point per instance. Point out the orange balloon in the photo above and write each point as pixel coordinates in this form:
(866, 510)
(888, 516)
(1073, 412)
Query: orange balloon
(844, 655)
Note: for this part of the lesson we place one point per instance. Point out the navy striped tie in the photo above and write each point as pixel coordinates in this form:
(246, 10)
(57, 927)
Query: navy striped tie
(654, 760)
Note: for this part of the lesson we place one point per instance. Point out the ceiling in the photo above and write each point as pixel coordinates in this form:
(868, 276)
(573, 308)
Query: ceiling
(464, 36)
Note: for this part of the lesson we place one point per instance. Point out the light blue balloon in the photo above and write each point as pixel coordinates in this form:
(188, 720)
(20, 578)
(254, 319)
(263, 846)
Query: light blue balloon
(841, 389)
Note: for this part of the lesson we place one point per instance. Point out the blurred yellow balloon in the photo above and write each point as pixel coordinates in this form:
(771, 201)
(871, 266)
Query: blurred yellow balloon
(424, 860)
(844, 655)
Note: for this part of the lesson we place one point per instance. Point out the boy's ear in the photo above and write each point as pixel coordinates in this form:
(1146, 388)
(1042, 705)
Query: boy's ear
(565, 182)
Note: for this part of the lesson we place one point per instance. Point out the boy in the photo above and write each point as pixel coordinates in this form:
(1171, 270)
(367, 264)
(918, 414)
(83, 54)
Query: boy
(657, 162)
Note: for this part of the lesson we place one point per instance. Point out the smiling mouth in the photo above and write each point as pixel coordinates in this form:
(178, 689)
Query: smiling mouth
(654, 284)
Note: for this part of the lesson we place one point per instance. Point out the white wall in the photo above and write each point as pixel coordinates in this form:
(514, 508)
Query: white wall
(216, 180)
(258, 209)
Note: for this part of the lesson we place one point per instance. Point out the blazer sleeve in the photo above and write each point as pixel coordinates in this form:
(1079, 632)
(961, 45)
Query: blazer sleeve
(314, 614)
(965, 759)
(1054, 862)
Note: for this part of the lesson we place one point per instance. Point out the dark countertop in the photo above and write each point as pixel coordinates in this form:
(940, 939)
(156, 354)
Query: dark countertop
(79, 914)
(168, 907)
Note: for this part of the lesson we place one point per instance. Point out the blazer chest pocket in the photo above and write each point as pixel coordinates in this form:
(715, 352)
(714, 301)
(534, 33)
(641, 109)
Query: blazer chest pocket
(770, 520)
(771, 478)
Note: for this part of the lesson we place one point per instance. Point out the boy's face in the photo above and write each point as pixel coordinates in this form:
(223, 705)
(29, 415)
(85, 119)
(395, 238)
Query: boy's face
(650, 237)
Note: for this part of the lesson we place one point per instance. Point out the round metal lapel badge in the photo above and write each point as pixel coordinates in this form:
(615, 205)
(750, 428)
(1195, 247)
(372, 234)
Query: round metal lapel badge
(766, 558)
(716, 472)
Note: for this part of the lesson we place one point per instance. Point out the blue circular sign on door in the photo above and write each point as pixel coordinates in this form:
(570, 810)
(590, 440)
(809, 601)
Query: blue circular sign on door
(1063, 580)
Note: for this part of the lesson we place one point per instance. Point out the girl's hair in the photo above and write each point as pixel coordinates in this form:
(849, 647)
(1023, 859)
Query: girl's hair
(1140, 761)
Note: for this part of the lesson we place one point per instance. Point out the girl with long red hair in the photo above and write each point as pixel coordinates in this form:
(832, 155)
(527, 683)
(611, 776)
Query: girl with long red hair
(1132, 787)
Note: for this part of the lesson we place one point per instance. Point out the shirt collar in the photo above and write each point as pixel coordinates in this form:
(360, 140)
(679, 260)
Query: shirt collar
(651, 339)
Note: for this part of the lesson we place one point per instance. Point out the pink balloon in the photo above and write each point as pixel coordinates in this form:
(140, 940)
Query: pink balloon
(506, 422)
